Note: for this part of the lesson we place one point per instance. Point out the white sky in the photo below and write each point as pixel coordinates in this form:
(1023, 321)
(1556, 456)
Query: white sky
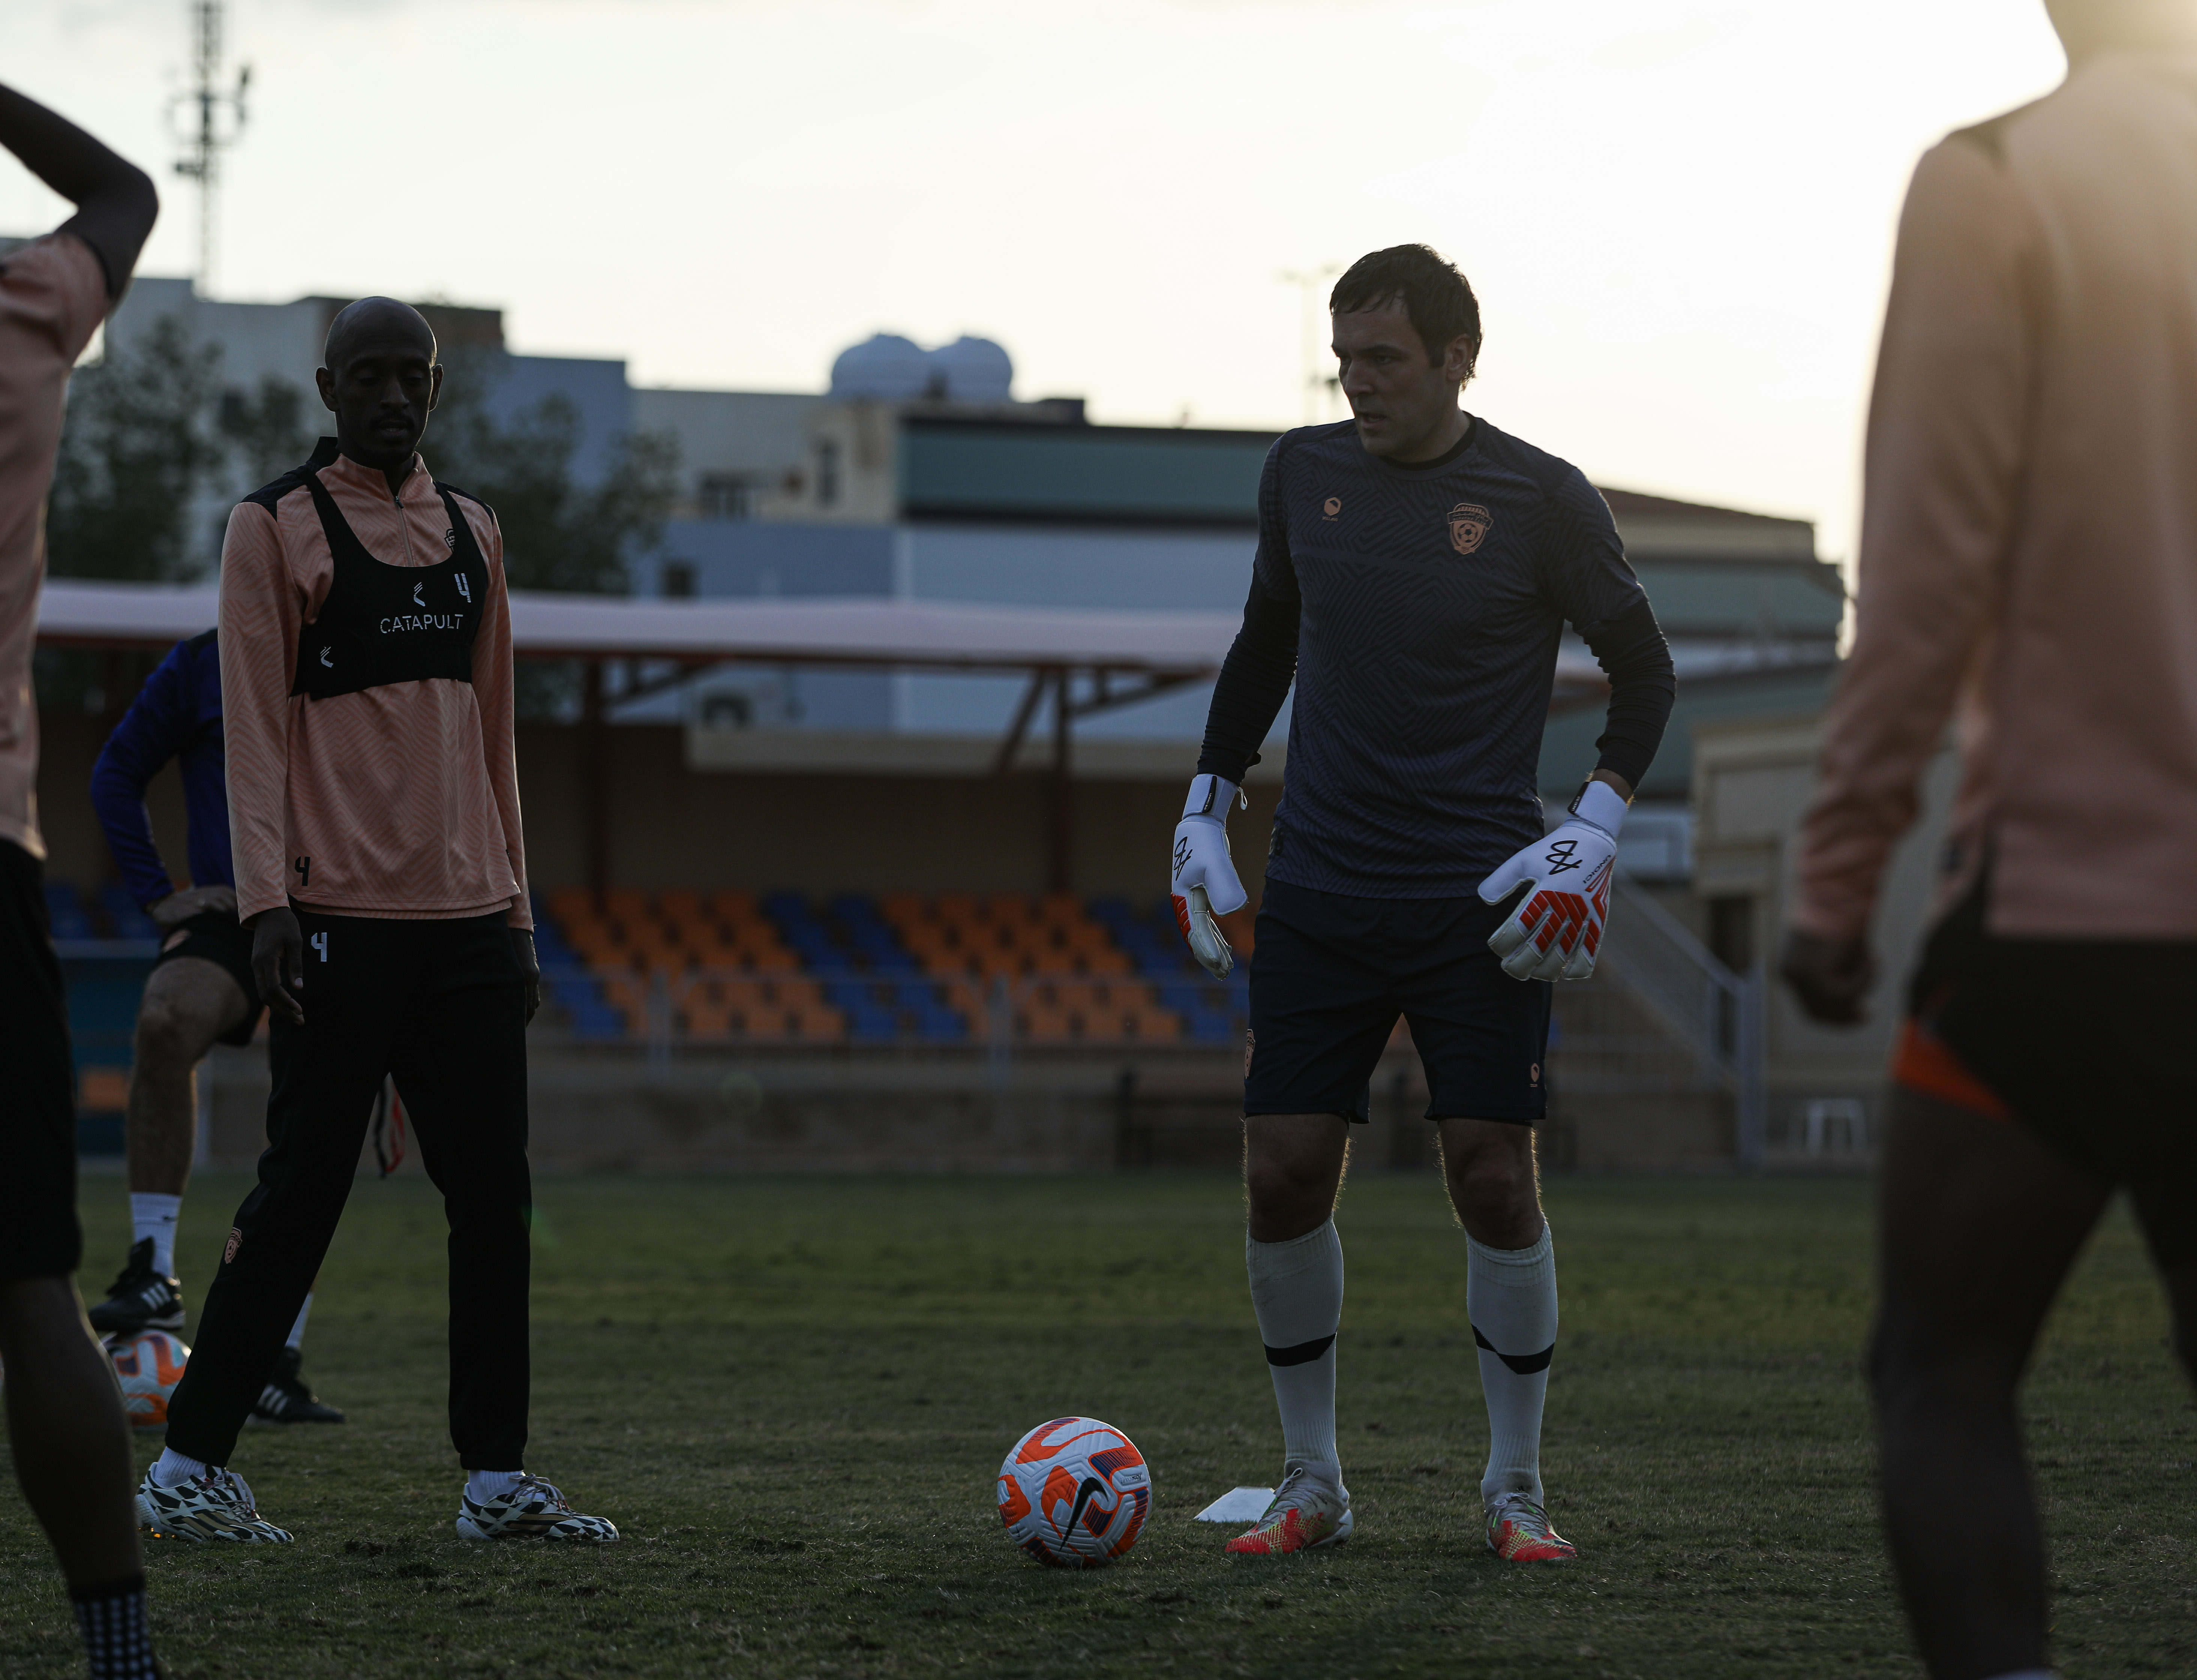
(1677, 213)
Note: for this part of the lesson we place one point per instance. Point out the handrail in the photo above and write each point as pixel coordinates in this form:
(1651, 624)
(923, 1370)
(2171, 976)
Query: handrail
(1715, 1012)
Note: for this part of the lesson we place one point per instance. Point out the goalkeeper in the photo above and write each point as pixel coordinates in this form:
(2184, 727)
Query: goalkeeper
(1415, 571)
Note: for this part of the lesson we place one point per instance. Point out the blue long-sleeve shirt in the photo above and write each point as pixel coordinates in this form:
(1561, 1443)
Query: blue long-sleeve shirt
(177, 715)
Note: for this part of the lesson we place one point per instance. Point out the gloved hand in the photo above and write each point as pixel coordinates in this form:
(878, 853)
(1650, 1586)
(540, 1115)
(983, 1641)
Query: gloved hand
(1204, 883)
(1557, 929)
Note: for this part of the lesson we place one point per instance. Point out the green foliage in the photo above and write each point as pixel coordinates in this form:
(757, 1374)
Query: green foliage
(558, 533)
(793, 1394)
(268, 431)
(137, 446)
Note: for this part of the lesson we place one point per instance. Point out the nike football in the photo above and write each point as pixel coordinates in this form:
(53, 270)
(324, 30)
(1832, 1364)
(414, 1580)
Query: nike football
(149, 1364)
(1074, 1493)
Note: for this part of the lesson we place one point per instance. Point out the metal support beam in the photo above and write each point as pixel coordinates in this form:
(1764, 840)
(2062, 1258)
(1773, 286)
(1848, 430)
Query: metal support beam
(1060, 863)
(594, 789)
(1003, 760)
(1107, 698)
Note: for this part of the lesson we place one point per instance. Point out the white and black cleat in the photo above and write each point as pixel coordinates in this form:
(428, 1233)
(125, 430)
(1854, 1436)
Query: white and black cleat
(140, 1299)
(213, 1508)
(532, 1510)
(286, 1399)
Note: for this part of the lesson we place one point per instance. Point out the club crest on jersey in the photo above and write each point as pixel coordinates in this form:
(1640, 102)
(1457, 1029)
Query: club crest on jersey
(1469, 524)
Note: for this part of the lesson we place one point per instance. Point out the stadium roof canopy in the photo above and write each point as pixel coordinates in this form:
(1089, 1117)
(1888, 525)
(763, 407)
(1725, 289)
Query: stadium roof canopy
(905, 635)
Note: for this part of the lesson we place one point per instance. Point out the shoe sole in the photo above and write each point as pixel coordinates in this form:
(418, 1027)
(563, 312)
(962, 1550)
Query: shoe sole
(1343, 1530)
(469, 1530)
(155, 1526)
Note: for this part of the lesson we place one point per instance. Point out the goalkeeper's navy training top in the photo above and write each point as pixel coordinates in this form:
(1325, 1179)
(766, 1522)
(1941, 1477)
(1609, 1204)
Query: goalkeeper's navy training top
(1419, 609)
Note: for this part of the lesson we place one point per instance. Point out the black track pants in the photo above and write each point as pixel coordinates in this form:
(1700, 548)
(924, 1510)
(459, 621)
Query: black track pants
(441, 1006)
(38, 1236)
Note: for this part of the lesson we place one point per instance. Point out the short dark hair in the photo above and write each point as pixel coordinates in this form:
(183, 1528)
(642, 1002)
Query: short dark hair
(1437, 298)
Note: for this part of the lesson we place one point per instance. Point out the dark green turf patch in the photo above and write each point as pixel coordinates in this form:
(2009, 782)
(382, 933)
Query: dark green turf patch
(792, 1396)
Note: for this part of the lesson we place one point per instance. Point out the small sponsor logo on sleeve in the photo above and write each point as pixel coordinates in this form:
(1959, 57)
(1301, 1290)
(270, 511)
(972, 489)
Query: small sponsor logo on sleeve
(235, 1242)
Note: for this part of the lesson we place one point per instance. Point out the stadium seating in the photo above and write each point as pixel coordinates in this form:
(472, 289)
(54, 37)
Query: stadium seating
(786, 971)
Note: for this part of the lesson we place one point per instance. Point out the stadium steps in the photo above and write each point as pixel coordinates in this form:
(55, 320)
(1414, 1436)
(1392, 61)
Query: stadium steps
(1621, 1089)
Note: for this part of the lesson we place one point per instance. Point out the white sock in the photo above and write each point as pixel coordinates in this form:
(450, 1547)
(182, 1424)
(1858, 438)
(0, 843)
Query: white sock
(297, 1330)
(172, 1466)
(482, 1486)
(1296, 1289)
(1511, 1297)
(155, 1216)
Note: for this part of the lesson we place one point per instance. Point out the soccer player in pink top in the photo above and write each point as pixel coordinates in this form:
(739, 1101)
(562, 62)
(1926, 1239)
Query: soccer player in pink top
(2028, 566)
(71, 1445)
(373, 825)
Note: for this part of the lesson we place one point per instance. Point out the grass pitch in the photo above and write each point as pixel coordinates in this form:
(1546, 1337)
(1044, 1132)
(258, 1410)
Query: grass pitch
(792, 1395)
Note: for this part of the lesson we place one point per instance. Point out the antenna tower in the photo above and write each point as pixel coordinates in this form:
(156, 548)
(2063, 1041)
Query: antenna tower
(1317, 384)
(213, 119)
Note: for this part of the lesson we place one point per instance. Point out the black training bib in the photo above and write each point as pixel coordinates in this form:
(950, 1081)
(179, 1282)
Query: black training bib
(383, 624)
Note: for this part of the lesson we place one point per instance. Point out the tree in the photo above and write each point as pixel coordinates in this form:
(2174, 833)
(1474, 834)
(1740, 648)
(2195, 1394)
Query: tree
(134, 450)
(558, 533)
(266, 431)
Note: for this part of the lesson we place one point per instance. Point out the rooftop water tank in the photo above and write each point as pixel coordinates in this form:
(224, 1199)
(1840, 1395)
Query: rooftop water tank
(883, 368)
(972, 370)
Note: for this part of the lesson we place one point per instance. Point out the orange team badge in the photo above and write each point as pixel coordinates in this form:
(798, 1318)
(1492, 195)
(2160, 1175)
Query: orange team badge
(1468, 526)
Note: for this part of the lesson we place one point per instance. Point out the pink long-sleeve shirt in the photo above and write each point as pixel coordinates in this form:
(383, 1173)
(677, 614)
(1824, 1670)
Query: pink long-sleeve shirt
(53, 295)
(2028, 551)
(404, 796)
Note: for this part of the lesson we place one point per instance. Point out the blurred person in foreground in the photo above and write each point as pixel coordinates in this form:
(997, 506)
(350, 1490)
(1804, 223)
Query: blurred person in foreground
(65, 1422)
(2028, 563)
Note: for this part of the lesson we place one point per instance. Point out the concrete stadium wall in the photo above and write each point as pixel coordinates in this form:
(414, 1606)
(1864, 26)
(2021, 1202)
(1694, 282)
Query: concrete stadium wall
(671, 826)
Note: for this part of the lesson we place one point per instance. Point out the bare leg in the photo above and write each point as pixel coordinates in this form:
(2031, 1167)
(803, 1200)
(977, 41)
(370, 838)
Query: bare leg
(1979, 1224)
(1292, 1166)
(72, 1441)
(1493, 1183)
(189, 1004)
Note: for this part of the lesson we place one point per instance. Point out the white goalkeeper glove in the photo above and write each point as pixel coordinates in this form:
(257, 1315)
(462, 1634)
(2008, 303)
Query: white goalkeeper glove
(1557, 929)
(1204, 884)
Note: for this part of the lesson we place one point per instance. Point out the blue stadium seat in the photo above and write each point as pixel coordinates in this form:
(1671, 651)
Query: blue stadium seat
(123, 915)
(592, 1020)
(66, 913)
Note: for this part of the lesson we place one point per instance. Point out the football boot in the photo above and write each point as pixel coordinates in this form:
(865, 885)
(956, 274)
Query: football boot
(1518, 1531)
(286, 1399)
(140, 1299)
(531, 1510)
(214, 1507)
(1308, 1509)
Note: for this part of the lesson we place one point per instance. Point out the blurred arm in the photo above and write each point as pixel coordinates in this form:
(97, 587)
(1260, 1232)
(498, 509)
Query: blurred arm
(114, 199)
(1943, 456)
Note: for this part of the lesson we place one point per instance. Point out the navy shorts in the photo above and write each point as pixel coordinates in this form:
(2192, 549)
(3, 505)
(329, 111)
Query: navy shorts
(1330, 974)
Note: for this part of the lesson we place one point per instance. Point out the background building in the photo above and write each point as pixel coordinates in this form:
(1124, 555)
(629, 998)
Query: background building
(789, 857)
